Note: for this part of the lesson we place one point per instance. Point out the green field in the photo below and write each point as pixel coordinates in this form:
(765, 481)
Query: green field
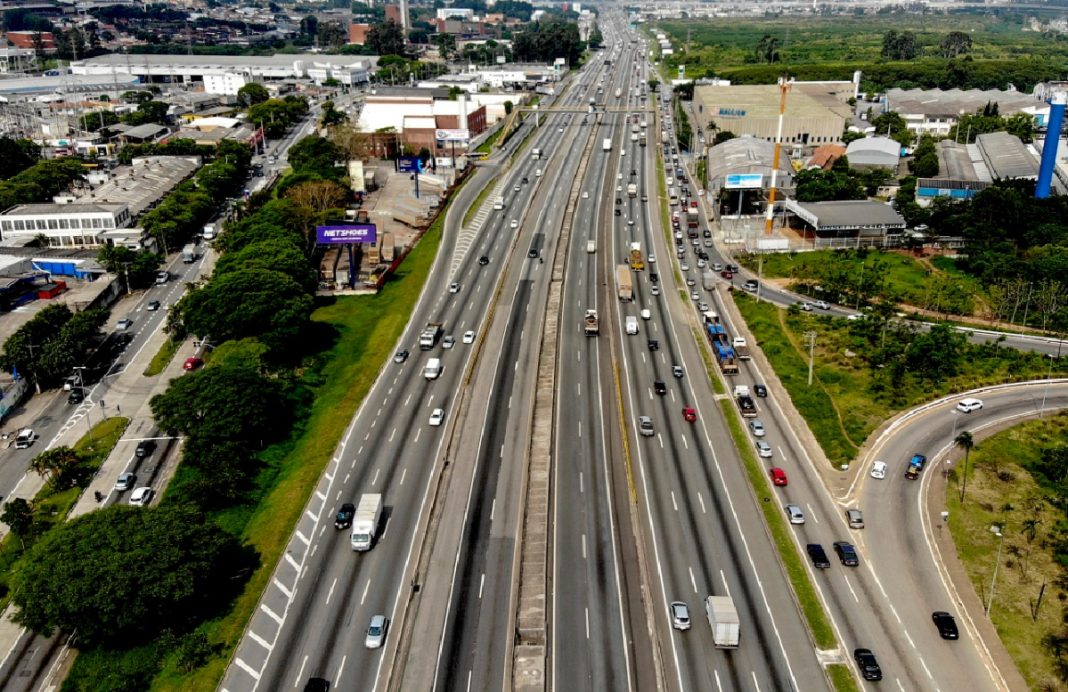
(840, 407)
(1001, 492)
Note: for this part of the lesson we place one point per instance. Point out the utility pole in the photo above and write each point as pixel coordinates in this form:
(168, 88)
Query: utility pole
(811, 336)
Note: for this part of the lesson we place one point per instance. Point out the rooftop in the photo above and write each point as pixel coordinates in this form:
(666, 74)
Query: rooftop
(848, 215)
(954, 102)
(1006, 156)
(129, 62)
(746, 155)
(762, 101)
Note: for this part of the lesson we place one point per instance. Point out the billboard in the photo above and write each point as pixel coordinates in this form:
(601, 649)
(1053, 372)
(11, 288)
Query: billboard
(744, 181)
(458, 136)
(346, 233)
(408, 164)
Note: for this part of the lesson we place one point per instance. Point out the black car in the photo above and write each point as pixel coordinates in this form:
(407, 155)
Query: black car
(818, 556)
(703, 255)
(654, 277)
(400, 356)
(618, 212)
(483, 260)
(525, 181)
(869, 667)
(76, 396)
(152, 306)
(344, 516)
(846, 553)
(317, 685)
(760, 390)
(144, 448)
(947, 626)
(532, 252)
(654, 345)
(660, 387)
(706, 233)
(619, 200)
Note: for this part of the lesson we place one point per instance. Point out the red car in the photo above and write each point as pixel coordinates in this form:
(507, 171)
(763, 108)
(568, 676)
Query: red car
(689, 414)
(778, 476)
(192, 363)
(727, 274)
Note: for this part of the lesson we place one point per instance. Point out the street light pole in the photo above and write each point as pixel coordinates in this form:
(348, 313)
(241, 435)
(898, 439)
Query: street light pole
(811, 336)
(1045, 390)
(997, 561)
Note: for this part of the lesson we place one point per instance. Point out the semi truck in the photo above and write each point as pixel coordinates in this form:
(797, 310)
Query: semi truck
(591, 325)
(189, 253)
(723, 619)
(365, 521)
(606, 144)
(636, 261)
(632, 190)
(430, 335)
(741, 348)
(626, 286)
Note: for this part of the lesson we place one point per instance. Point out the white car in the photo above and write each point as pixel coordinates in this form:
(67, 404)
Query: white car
(454, 287)
(646, 314)
(437, 416)
(585, 194)
(652, 259)
(469, 336)
(514, 224)
(878, 470)
(822, 305)
(448, 342)
(684, 267)
(376, 632)
(25, 438)
(142, 496)
(968, 405)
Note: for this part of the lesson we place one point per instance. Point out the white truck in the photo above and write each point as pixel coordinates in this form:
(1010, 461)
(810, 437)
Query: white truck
(591, 246)
(498, 203)
(433, 369)
(632, 190)
(606, 144)
(189, 253)
(632, 324)
(210, 229)
(591, 323)
(365, 521)
(430, 335)
(723, 619)
(741, 348)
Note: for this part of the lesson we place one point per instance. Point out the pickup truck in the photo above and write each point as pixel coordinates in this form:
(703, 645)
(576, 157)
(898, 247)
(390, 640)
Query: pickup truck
(916, 464)
(741, 348)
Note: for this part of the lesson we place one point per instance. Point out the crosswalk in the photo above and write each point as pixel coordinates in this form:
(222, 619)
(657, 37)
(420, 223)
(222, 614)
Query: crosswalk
(467, 235)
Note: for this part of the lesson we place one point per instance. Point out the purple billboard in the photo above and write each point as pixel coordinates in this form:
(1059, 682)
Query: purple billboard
(346, 233)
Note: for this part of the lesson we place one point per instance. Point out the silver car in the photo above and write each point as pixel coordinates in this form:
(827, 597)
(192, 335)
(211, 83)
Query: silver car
(757, 427)
(680, 615)
(645, 426)
(376, 632)
(763, 449)
(795, 514)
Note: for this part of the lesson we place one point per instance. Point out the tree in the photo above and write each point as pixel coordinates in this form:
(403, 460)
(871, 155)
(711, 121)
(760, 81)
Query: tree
(924, 163)
(956, 43)
(964, 441)
(17, 155)
(251, 302)
(18, 515)
(252, 93)
(654, 84)
(351, 143)
(121, 575)
(900, 46)
(331, 115)
(138, 268)
(309, 25)
(446, 44)
(386, 38)
(723, 136)
(59, 466)
(767, 49)
(319, 195)
(277, 254)
(148, 112)
(508, 107)
(314, 153)
(332, 34)
(223, 404)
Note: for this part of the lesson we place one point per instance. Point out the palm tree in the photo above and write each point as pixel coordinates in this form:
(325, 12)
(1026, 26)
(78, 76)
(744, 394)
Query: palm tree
(964, 441)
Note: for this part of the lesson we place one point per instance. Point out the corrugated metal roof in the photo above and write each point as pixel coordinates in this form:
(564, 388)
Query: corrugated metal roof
(1006, 156)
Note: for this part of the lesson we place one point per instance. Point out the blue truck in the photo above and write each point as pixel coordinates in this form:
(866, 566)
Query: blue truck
(916, 464)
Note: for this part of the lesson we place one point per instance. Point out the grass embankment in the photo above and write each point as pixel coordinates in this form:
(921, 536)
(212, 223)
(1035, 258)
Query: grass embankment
(840, 407)
(487, 146)
(1001, 492)
(367, 327)
(162, 358)
(52, 507)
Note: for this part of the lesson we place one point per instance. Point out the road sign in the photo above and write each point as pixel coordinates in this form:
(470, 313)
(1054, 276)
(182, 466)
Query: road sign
(744, 181)
(408, 164)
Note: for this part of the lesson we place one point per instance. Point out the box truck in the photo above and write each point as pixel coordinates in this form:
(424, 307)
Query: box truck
(365, 521)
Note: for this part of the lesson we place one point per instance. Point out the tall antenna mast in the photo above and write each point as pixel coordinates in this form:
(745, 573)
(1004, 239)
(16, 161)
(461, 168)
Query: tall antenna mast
(769, 218)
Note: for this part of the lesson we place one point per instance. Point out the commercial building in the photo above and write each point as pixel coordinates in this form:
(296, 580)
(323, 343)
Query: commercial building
(420, 118)
(858, 220)
(739, 174)
(225, 74)
(936, 111)
(874, 152)
(1006, 157)
(209, 131)
(814, 115)
(115, 202)
(965, 170)
(17, 60)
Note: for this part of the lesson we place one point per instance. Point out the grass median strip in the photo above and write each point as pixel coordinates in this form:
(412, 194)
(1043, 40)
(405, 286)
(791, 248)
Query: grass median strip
(811, 606)
(162, 358)
(842, 678)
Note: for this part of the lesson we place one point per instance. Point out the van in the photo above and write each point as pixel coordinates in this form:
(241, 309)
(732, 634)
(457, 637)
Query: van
(537, 173)
(498, 203)
(855, 518)
(632, 324)
(646, 314)
(433, 369)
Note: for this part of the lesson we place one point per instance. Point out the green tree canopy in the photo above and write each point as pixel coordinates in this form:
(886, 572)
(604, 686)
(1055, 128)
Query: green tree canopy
(17, 155)
(219, 404)
(314, 153)
(900, 45)
(386, 38)
(120, 574)
(280, 254)
(251, 94)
